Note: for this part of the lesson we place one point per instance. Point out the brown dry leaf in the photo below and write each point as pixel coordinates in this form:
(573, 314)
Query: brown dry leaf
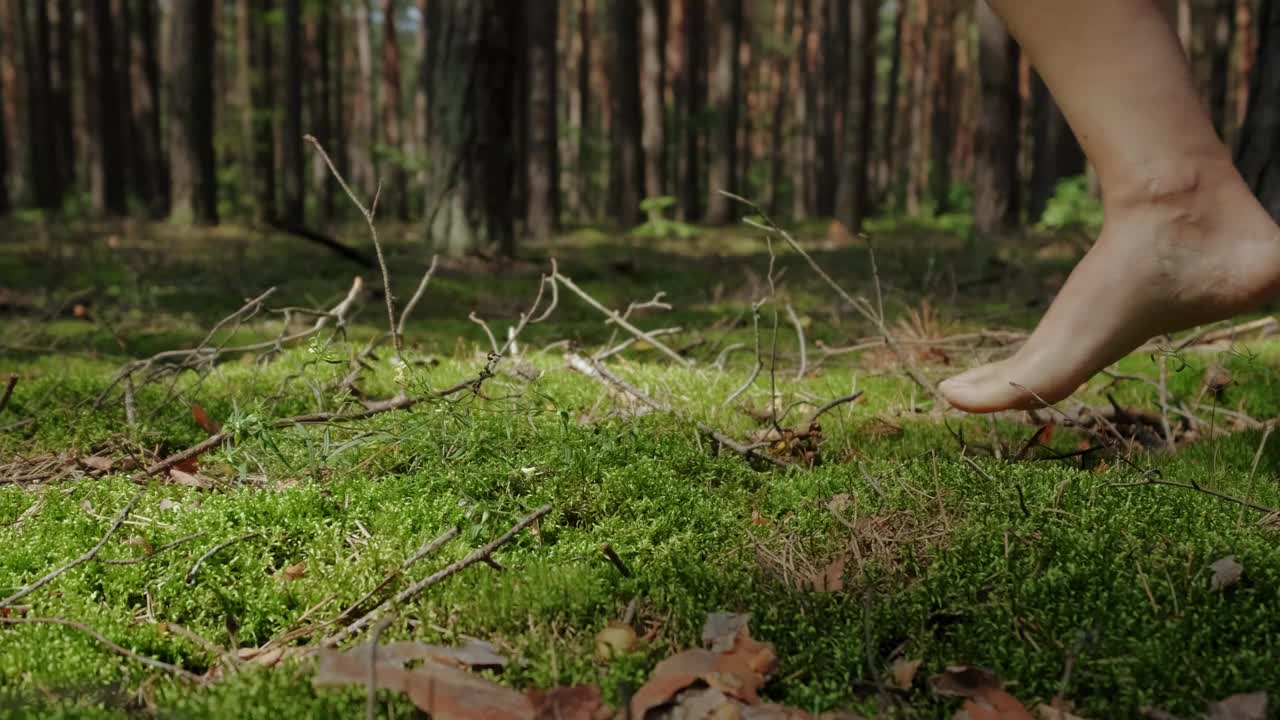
(471, 654)
(758, 519)
(190, 479)
(904, 672)
(738, 673)
(1226, 573)
(1241, 706)
(964, 681)
(580, 702)
(839, 503)
(296, 571)
(993, 704)
(101, 463)
(265, 657)
(202, 419)
(831, 579)
(615, 640)
(1048, 712)
(140, 542)
(720, 631)
(443, 691)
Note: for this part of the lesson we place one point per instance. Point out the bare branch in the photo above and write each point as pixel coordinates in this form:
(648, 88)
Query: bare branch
(86, 557)
(804, 356)
(417, 295)
(8, 391)
(620, 320)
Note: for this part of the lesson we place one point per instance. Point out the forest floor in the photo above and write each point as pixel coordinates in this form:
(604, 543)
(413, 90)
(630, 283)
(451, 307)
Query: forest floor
(1116, 557)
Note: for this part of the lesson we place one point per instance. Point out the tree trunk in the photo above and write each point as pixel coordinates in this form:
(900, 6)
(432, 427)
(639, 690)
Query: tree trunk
(6, 203)
(15, 152)
(543, 159)
(943, 92)
(41, 155)
(1258, 155)
(61, 84)
(396, 189)
(149, 169)
(853, 192)
(627, 172)
(107, 180)
(1224, 25)
(472, 96)
(890, 176)
(695, 91)
(651, 90)
(579, 119)
(258, 109)
(1056, 154)
(320, 103)
(192, 168)
(801, 156)
(784, 61)
(833, 102)
(915, 131)
(364, 173)
(291, 141)
(996, 174)
(726, 95)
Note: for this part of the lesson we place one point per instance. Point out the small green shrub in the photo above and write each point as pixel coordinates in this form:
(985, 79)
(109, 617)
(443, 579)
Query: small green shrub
(658, 227)
(1072, 206)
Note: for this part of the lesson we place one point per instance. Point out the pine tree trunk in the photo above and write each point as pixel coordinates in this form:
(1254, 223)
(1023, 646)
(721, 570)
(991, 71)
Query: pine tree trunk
(61, 84)
(473, 68)
(11, 100)
(853, 192)
(1224, 24)
(651, 91)
(293, 204)
(6, 202)
(1258, 155)
(107, 180)
(726, 96)
(942, 90)
(801, 153)
(41, 156)
(627, 173)
(192, 170)
(149, 170)
(695, 91)
(579, 117)
(996, 173)
(258, 112)
(1057, 154)
(543, 159)
(364, 173)
(784, 61)
(396, 187)
(890, 175)
(319, 88)
(833, 102)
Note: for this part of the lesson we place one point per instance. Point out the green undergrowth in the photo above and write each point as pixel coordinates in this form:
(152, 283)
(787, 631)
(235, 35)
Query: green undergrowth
(1026, 566)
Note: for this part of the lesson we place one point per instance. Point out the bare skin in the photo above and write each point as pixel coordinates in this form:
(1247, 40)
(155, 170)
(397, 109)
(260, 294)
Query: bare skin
(1184, 241)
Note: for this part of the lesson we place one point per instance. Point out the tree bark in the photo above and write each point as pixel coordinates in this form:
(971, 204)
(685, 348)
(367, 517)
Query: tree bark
(258, 112)
(47, 190)
(853, 191)
(15, 151)
(579, 120)
(1258, 155)
(627, 172)
(726, 96)
(320, 102)
(996, 173)
(695, 92)
(833, 103)
(107, 179)
(543, 160)
(890, 174)
(784, 61)
(149, 170)
(190, 72)
(943, 92)
(651, 90)
(1223, 37)
(396, 188)
(1056, 153)
(801, 155)
(63, 116)
(364, 172)
(473, 68)
(6, 202)
(293, 205)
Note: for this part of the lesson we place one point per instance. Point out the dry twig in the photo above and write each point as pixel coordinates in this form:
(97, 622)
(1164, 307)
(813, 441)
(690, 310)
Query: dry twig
(619, 319)
(113, 647)
(8, 391)
(195, 569)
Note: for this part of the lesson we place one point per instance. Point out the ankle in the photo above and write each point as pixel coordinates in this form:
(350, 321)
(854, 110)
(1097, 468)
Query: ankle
(1181, 184)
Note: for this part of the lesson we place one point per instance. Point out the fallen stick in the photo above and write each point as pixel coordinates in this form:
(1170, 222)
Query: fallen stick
(618, 319)
(411, 592)
(8, 391)
(598, 372)
(113, 647)
(86, 557)
(195, 569)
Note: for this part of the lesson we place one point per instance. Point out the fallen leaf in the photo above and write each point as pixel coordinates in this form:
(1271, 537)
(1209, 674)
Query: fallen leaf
(1242, 706)
(297, 571)
(831, 579)
(167, 504)
(192, 480)
(202, 419)
(1226, 573)
(993, 704)
(443, 691)
(101, 463)
(263, 657)
(615, 640)
(839, 503)
(758, 519)
(140, 542)
(720, 631)
(738, 673)
(1048, 712)
(904, 672)
(964, 681)
(471, 654)
(580, 702)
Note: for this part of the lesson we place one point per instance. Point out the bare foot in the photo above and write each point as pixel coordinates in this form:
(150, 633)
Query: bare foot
(1181, 259)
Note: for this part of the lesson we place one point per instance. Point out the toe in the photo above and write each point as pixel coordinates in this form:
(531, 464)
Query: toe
(984, 389)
